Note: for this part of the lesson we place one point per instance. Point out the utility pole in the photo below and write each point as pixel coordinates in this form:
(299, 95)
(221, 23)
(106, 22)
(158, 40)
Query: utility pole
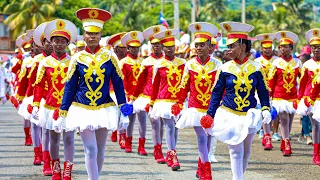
(243, 11)
(162, 1)
(193, 14)
(176, 16)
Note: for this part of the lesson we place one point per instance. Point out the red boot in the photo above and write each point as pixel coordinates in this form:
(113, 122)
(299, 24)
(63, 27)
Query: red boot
(199, 170)
(287, 148)
(169, 159)
(128, 148)
(56, 170)
(122, 141)
(263, 141)
(158, 156)
(41, 151)
(141, 150)
(175, 162)
(268, 142)
(46, 164)
(282, 145)
(67, 166)
(28, 139)
(207, 173)
(37, 156)
(316, 156)
(113, 136)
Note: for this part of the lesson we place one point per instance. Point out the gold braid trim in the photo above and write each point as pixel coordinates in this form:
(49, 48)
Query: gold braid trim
(265, 108)
(63, 113)
(265, 79)
(216, 79)
(36, 104)
(71, 70)
(93, 107)
(272, 72)
(50, 107)
(22, 73)
(115, 64)
(40, 75)
(302, 73)
(32, 69)
(185, 79)
(239, 113)
(20, 98)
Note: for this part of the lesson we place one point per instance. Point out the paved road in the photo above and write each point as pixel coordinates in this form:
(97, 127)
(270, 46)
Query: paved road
(16, 159)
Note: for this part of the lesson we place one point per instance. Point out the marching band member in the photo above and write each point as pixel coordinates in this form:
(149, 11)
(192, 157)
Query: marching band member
(130, 67)
(236, 121)
(40, 40)
(21, 83)
(198, 77)
(266, 59)
(146, 73)
(283, 86)
(121, 51)
(52, 70)
(80, 44)
(309, 91)
(167, 75)
(86, 102)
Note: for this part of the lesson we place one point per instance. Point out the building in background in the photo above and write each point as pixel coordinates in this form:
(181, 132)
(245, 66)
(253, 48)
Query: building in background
(7, 45)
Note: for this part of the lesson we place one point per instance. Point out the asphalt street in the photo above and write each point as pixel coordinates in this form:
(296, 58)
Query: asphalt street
(16, 159)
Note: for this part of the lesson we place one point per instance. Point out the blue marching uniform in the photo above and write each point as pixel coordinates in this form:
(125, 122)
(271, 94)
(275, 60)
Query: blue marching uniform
(86, 102)
(236, 116)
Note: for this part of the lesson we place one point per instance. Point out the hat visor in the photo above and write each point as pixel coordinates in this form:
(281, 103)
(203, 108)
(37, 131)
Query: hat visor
(27, 45)
(200, 40)
(284, 43)
(170, 43)
(317, 42)
(92, 29)
(267, 45)
(155, 40)
(134, 44)
(231, 41)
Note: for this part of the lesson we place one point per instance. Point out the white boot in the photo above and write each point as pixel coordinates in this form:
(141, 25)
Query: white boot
(213, 147)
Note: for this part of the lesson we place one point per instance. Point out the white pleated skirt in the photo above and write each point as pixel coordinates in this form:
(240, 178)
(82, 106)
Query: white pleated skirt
(82, 118)
(283, 106)
(232, 128)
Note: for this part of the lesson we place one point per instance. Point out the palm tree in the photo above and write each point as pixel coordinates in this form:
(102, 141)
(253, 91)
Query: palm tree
(28, 14)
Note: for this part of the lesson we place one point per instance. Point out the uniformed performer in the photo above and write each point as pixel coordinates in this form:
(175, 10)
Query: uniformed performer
(86, 102)
(52, 70)
(167, 75)
(130, 67)
(283, 86)
(198, 77)
(236, 119)
(309, 91)
(266, 59)
(146, 73)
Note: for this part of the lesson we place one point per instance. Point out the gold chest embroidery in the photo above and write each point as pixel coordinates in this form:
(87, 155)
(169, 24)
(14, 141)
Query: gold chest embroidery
(316, 74)
(94, 68)
(203, 75)
(136, 68)
(242, 73)
(173, 69)
(58, 71)
(267, 65)
(288, 74)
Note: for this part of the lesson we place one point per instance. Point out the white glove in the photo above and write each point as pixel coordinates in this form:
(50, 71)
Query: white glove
(57, 124)
(266, 117)
(123, 122)
(35, 113)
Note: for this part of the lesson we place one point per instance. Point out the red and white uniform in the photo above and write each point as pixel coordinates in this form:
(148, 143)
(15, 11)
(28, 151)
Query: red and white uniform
(283, 85)
(310, 78)
(130, 67)
(266, 63)
(52, 71)
(166, 86)
(24, 90)
(145, 87)
(198, 79)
